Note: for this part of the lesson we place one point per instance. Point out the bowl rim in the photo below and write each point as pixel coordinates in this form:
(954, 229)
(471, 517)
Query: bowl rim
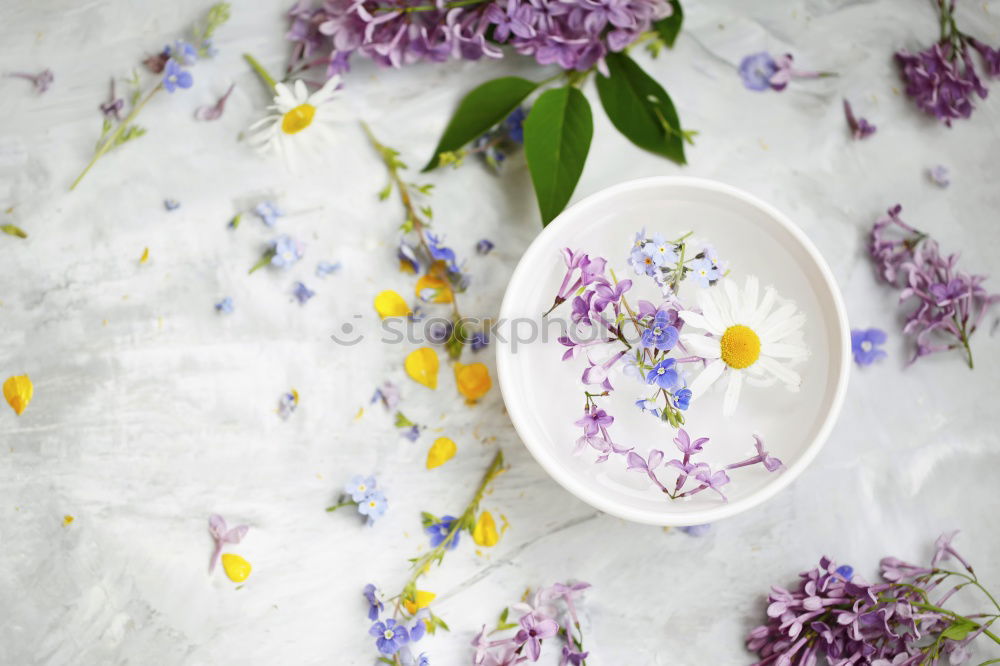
(576, 487)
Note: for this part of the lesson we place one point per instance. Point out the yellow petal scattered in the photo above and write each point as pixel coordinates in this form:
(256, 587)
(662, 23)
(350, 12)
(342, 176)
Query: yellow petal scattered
(235, 567)
(145, 256)
(442, 450)
(473, 380)
(485, 532)
(423, 600)
(67, 519)
(360, 413)
(422, 366)
(390, 304)
(440, 288)
(18, 392)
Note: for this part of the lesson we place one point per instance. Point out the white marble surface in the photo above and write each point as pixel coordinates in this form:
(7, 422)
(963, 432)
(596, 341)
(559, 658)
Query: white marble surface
(151, 411)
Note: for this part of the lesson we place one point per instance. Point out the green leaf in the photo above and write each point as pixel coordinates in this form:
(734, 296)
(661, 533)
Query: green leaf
(669, 27)
(640, 108)
(557, 137)
(13, 230)
(479, 111)
(958, 630)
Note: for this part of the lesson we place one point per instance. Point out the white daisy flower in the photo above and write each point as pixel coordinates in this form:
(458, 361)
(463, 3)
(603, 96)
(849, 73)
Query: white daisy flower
(750, 339)
(298, 122)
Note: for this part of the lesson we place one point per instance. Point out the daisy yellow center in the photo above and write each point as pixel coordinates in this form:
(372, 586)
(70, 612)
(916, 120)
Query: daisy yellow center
(740, 347)
(298, 118)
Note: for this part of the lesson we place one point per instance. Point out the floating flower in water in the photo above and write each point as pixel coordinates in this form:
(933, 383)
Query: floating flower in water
(485, 531)
(225, 306)
(299, 122)
(18, 392)
(865, 345)
(422, 366)
(390, 304)
(237, 568)
(302, 293)
(41, 81)
(221, 535)
(860, 128)
(750, 339)
(325, 268)
(268, 212)
(441, 451)
(288, 404)
(473, 380)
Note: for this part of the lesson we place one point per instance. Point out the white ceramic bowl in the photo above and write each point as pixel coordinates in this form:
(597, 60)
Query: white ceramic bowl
(544, 396)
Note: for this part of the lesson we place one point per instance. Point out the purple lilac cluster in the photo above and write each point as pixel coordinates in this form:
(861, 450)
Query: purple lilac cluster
(574, 34)
(942, 79)
(393, 638)
(950, 304)
(699, 474)
(835, 615)
(547, 614)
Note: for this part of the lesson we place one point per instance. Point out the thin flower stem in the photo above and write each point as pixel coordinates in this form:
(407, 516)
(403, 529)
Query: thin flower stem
(465, 521)
(261, 72)
(109, 143)
(956, 616)
(974, 581)
(341, 505)
(392, 165)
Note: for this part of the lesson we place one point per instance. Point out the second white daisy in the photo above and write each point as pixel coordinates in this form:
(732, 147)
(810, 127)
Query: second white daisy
(747, 338)
(298, 122)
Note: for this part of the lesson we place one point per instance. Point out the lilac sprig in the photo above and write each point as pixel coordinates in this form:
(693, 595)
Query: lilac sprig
(575, 35)
(942, 79)
(170, 66)
(903, 621)
(695, 477)
(950, 304)
(549, 613)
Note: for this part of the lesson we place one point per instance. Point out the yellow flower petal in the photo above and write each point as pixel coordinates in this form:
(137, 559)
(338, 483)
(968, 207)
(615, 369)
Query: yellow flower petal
(473, 380)
(145, 256)
(423, 600)
(18, 392)
(235, 567)
(390, 304)
(67, 519)
(442, 450)
(441, 289)
(485, 532)
(422, 367)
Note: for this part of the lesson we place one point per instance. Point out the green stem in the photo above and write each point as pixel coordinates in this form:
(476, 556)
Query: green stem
(466, 520)
(432, 8)
(341, 505)
(264, 260)
(956, 616)
(261, 72)
(109, 143)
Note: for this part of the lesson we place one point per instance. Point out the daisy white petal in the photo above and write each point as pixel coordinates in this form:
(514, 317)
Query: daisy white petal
(697, 320)
(751, 294)
(782, 330)
(732, 397)
(783, 350)
(707, 377)
(781, 372)
(760, 314)
(702, 346)
(776, 319)
(716, 323)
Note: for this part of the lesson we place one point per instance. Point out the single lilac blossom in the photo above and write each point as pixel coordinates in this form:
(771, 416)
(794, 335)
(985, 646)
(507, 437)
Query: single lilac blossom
(41, 81)
(860, 128)
(221, 535)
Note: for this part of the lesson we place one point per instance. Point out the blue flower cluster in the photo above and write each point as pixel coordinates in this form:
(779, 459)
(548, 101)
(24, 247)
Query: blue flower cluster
(667, 261)
(371, 502)
(391, 636)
